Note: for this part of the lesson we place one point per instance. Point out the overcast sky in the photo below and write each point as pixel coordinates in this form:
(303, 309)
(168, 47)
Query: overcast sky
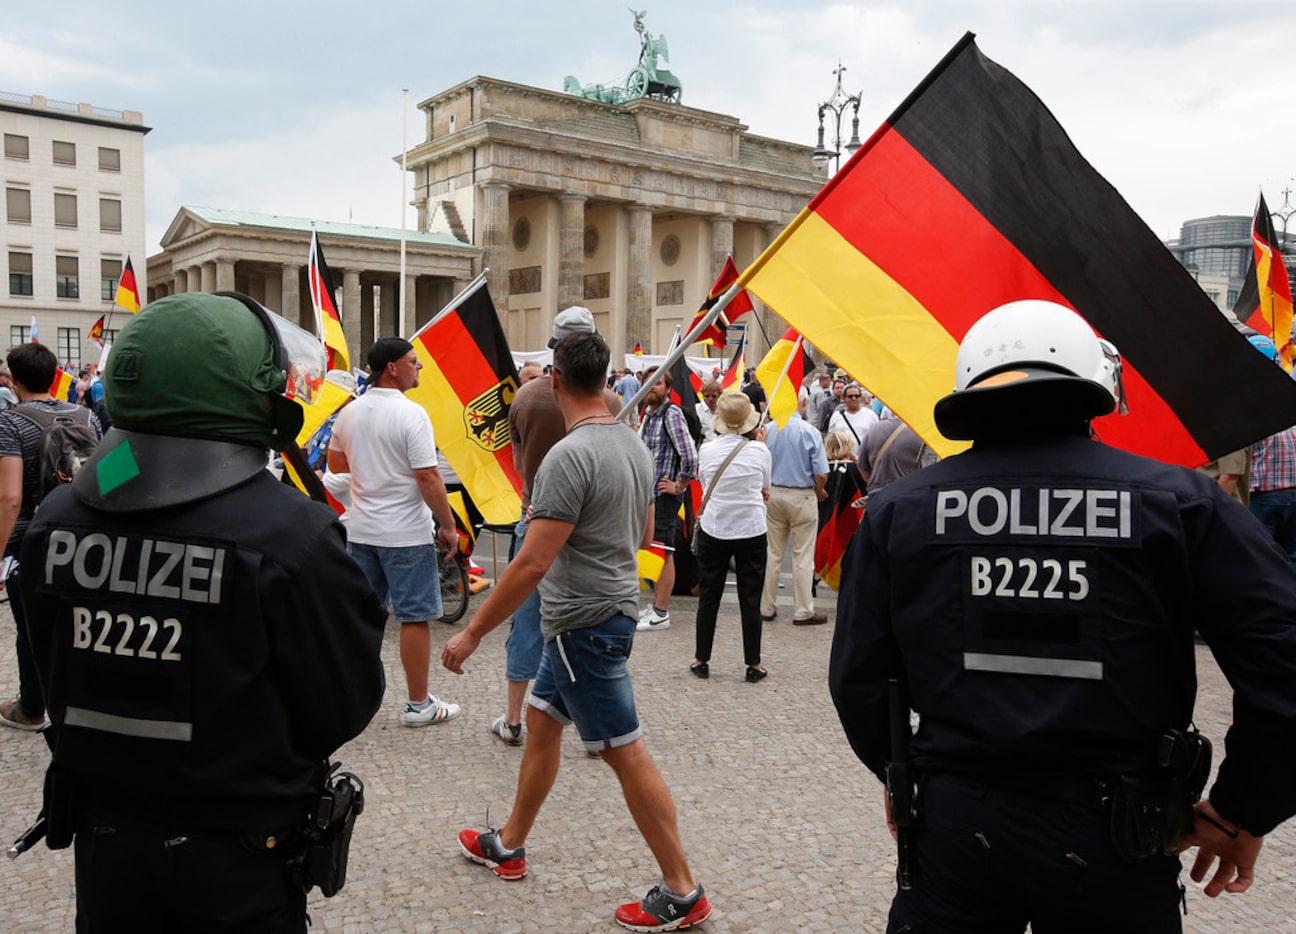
(295, 108)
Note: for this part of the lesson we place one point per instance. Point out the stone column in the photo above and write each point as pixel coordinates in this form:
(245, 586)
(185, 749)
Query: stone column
(639, 279)
(290, 292)
(571, 250)
(722, 233)
(350, 314)
(367, 335)
(389, 298)
(273, 286)
(195, 279)
(224, 275)
(208, 273)
(495, 240)
(181, 280)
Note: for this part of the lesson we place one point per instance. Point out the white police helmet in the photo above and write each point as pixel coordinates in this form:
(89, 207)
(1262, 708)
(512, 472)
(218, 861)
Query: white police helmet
(1030, 358)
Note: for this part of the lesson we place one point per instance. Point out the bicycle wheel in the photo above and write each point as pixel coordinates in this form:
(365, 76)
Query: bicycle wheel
(454, 589)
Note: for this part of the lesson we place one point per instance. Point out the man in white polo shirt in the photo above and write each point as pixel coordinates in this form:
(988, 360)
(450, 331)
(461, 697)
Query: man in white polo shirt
(386, 443)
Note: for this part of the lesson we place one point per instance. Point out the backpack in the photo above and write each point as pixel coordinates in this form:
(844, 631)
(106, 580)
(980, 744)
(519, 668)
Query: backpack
(67, 441)
(692, 423)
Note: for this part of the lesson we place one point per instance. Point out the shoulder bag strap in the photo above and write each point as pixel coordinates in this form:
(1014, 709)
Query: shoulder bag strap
(877, 458)
(716, 479)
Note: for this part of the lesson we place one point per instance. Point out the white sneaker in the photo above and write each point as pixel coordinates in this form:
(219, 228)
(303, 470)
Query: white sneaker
(509, 734)
(438, 711)
(653, 619)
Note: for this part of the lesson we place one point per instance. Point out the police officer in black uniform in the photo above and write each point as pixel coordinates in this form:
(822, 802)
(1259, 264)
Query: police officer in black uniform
(204, 639)
(1034, 601)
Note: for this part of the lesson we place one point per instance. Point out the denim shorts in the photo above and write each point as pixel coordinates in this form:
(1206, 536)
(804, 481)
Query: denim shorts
(525, 644)
(409, 575)
(583, 680)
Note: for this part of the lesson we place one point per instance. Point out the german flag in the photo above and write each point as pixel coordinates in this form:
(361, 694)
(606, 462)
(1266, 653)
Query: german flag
(737, 307)
(783, 370)
(328, 323)
(96, 332)
(686, 386)
(62, 385)
(128, 296)
(467, 385)
(731, 379)
(972, 196)
(651, 560)
(1265, 303)
(839, 517)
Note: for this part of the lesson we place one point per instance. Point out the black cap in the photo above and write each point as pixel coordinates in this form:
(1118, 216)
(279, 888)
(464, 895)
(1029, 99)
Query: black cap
(387, 350)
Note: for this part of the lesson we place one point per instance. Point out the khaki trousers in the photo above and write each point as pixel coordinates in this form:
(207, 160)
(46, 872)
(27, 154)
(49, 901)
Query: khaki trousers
(795, 512)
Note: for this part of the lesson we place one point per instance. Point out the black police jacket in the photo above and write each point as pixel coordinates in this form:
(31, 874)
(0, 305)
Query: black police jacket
(1038, 599)
(201, 661)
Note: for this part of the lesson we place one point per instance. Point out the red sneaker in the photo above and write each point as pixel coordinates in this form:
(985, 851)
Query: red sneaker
(485, 848)
(663, 910)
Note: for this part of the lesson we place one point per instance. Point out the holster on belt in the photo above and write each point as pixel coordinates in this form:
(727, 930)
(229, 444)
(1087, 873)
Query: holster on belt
(1151, 811)
(323, 862)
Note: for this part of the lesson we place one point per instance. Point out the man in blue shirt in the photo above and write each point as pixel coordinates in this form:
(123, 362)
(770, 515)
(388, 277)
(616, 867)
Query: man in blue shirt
(799, 472)
(627, 386)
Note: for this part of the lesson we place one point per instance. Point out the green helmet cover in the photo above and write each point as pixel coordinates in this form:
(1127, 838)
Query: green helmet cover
(197, 365)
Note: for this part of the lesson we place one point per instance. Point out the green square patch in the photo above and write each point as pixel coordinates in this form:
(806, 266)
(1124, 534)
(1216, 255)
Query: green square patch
(116, 467)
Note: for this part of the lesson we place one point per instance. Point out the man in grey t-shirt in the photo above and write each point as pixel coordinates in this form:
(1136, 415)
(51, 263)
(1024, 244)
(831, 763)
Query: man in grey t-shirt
(592, 506)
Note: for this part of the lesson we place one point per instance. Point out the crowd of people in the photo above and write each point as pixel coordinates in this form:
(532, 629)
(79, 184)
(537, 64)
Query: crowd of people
(1030, 722)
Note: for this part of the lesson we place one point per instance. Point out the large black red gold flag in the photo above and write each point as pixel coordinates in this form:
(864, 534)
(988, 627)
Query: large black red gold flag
(467, 385)
(738, 306)
(971, 196)
(1265, 302)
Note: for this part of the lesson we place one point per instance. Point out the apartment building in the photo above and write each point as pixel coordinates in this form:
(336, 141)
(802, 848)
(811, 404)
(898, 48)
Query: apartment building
(74, 211)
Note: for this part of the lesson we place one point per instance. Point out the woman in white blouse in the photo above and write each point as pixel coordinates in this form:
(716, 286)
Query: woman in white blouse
(732, 527)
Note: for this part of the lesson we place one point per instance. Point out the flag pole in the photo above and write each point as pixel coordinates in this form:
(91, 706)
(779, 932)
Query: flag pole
(400, 312)
(787, 365)
(674, 354)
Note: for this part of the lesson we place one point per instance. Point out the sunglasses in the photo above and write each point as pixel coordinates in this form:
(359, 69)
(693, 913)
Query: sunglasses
(853, 395)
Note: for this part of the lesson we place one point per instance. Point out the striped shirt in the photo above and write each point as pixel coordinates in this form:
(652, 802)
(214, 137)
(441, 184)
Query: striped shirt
(1273, 462)
(666, 435)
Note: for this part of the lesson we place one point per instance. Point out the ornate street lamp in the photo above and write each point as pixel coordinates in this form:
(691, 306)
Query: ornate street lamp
(1284, 214)
(837, 105)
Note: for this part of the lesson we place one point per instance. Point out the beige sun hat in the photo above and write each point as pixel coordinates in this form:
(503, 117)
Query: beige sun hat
(735, 414)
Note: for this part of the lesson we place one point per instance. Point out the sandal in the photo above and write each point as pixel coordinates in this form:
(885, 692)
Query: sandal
(12, 716)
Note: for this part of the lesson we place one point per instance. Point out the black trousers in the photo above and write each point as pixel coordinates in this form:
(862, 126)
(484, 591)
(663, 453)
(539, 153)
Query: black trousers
(748, 555)
(991, 861)
(150, 881)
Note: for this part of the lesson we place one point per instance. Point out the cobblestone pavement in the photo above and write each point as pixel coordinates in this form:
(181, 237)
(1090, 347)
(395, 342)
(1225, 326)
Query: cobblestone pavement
(780, 821)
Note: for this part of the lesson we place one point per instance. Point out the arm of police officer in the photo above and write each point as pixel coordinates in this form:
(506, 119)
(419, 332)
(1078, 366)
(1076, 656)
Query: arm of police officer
(544, 539)
(1218, 839)
(1243, 603)
(432, 488)
(324, 631)
(11, 476)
